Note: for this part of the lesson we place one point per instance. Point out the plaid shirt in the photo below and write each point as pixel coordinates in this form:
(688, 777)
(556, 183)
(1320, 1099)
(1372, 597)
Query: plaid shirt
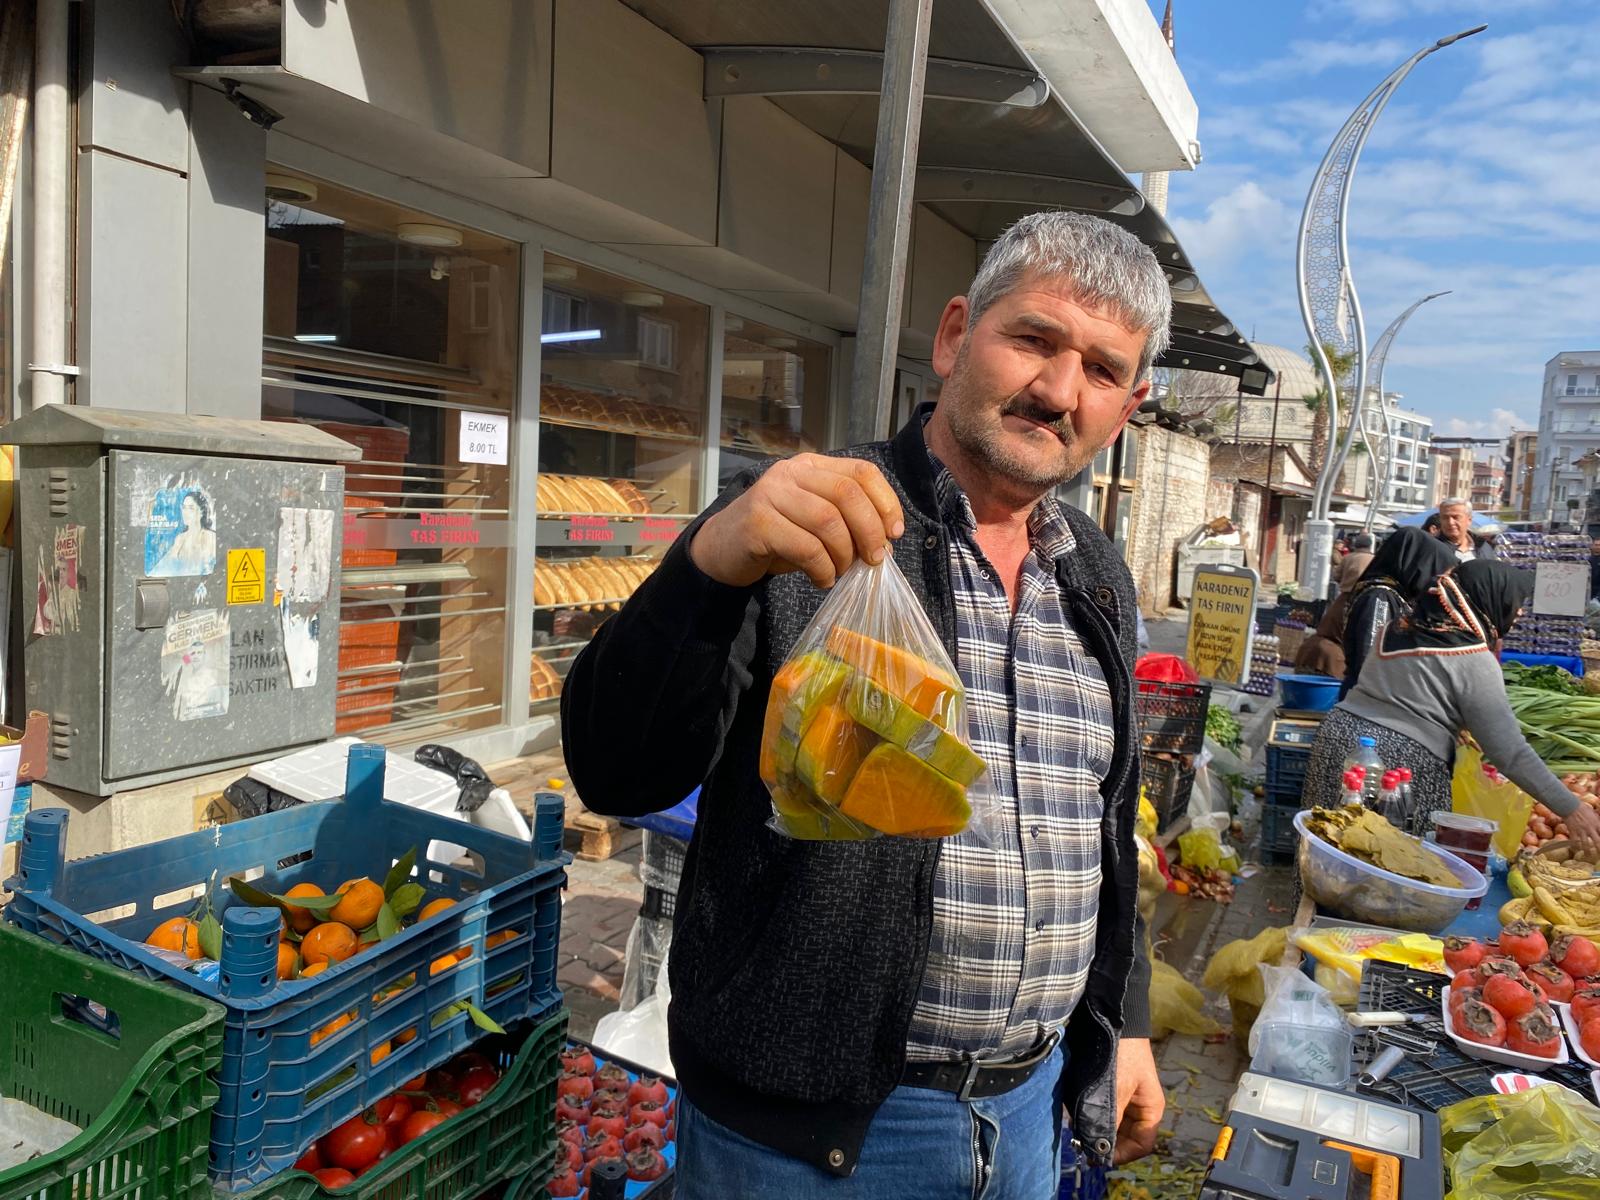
(1014, 927)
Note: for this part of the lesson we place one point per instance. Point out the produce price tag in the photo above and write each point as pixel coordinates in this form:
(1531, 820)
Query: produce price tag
(590, 529)
(485, 438)
(1561, 588)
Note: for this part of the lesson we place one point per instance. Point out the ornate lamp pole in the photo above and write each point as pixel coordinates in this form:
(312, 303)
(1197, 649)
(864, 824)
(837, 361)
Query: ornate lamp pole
(1380, 357)
(1328, 301)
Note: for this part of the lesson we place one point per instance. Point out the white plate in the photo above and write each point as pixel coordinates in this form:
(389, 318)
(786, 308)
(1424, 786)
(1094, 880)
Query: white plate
(1571, 1025)
(1499, 1054)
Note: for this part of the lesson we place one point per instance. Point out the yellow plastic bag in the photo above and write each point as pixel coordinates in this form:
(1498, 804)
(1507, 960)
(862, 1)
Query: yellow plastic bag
(1232, 971)
(1479, 795)
(1543, 1142)
(1176, 1005)
(1345, 950)
(1202, 850)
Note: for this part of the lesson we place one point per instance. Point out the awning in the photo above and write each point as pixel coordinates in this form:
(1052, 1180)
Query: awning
(997, 141)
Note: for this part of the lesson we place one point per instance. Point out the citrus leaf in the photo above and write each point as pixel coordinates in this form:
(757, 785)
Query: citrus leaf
(388, 924)
(211, 938)
(252, 895)
(399, 873)
(370, 934)
(482, 1019)
(406, 899)
(321, 905)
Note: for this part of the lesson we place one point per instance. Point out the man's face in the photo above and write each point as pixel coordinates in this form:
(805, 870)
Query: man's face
(1454, 521)
(1038, 385)
(1594, 547)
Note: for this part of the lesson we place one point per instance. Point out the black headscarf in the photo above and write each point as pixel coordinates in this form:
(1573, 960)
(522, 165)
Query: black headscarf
(1408, 563)
(1477, 602)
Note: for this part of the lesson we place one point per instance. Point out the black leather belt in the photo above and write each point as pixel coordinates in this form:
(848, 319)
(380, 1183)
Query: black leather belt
(971, 1079)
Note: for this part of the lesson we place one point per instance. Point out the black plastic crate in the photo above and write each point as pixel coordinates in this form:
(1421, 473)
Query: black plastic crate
(1172, 716)
(1278, 836)
(1167, 783)
(1286, 769)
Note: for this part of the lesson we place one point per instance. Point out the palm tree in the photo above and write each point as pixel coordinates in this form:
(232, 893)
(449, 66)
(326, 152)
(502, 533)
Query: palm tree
(1342, 362)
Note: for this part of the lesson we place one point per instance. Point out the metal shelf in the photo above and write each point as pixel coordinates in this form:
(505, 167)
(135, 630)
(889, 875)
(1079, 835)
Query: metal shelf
(453, 572)
(619, 430)
(581, 605)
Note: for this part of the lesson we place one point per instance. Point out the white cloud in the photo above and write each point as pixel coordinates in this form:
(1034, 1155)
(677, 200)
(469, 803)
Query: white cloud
(1234, 222)
(1499, 423)
(1305, 57)
(1383, 12)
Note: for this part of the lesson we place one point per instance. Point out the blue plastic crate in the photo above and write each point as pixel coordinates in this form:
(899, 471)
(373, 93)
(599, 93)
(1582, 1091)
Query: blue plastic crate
(278, 1090)
(1286, 770)
(1278, 836)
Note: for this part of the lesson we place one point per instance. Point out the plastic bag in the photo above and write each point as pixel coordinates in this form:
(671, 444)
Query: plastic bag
(1291, 997)
(1300, 1032)
(472, 779)
(639, 1034)
(1475, 792)
(1176, 1005)
(1345, 950)
(26, 1133)
(1232, 971)
(1543, 1142)
(1203, 850)
(866, 725)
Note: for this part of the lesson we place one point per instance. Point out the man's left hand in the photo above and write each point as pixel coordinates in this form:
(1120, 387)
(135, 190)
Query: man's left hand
(1140, 1100)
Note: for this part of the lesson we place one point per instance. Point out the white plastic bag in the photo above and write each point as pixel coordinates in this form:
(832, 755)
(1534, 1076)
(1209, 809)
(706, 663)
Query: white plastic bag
(26, 1133)
(639, 1034)
(1300, 1033)
(866, 723)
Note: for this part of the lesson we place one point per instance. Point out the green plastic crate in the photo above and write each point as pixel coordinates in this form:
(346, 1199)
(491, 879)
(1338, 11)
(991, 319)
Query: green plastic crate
(510, 1135)
(135, 1077)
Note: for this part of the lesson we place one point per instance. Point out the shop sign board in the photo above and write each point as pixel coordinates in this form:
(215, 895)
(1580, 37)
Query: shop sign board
(1222, 608)
(485, 438)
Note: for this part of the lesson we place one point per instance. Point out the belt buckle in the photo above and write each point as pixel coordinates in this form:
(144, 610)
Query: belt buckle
(964, 1092)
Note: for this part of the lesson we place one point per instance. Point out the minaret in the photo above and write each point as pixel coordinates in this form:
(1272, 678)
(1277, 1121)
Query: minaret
(1154, 183)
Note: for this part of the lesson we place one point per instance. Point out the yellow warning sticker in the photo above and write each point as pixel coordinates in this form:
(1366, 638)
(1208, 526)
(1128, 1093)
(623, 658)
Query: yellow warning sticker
(247, 576)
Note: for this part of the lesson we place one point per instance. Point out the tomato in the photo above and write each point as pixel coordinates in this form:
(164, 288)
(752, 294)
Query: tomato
(334, 1178)
(648, 1134)
(374, 1164)
(581, 1086)
(648, 1087)
(646, 1164)
(471, 1060)
(419, 1084)
(601, 1145)
(564, 1184)
(570, 1108)
(1589, 1037)
(1477, 1022)
(310, 1161)
(447, 1106)
(578, 1060)
(476, 1084)
(648, 1110)
(614, 1124)
(1460, 953)
(1586, 1003)
(354, 1144)
(1557, 984)
(419, 1123)
(1535, 1033)
(1508, 997)
(1524, 943)
(1576, 955)
(442, 1082)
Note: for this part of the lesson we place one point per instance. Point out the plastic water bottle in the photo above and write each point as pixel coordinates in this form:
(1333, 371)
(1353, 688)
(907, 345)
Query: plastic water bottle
(1365, 757)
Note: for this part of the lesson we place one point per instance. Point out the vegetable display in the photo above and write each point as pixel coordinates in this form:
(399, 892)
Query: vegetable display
(1563, 729)
(1223, 728)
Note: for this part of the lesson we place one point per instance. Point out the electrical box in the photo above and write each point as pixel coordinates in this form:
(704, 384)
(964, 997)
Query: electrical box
(180, 589)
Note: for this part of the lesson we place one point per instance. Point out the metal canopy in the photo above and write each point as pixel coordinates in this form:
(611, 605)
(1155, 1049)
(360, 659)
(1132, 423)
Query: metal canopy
(980, 165)
(70, 425)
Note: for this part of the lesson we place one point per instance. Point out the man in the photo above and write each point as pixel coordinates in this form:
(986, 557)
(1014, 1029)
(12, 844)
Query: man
(1594, 569)
(1349, 568)
(1455, 529)
(904, 1017)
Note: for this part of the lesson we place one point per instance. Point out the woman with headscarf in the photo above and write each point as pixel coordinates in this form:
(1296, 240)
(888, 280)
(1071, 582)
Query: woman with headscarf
(1432, 676)
(1404, 568)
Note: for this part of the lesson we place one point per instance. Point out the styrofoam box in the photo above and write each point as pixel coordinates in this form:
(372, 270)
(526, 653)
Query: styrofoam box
(1571, 1025)
(1499, 1054)
(318, 773)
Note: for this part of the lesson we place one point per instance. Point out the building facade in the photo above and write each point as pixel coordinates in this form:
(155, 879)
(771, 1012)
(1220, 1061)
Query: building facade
(1488, 485)
(1453, 467)
(1522, 457)
(1411, 479)
(1569, 428)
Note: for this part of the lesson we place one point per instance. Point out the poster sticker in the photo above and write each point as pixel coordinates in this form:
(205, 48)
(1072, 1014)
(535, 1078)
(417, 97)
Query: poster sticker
(247, 576)
(180, 538)
(305, 553)
(194, 664)
(57, 599)
(485, 438)
(300, 647)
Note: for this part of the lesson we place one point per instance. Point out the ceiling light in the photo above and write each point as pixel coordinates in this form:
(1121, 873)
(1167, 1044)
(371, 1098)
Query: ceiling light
(570, 335)
(559, 272)
(316, 337)
(642, 299)
(732, 324)
(419, 233)
(289, 188)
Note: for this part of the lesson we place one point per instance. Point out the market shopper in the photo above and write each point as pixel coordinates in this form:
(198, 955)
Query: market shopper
(1455, 530)
(1434, 675)
(1349, 568)
(904, 1017)
(1403, 570)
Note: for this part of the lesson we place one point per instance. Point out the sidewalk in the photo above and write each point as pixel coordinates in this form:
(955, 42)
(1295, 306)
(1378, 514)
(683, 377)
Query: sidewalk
(597, 912)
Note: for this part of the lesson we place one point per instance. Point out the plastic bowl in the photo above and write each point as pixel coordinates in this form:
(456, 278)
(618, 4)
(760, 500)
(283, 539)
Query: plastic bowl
(1309, 693)
(1358, 891)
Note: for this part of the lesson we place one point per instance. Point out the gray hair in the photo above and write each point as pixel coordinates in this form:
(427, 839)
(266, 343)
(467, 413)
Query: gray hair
(1454, 501)
(1103, 264)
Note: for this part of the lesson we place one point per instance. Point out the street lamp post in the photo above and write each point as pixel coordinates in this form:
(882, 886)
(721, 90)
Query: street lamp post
(1380, 359)
(1329, 303)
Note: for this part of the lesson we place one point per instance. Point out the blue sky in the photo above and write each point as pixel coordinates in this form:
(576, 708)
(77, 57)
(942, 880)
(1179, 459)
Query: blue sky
(1483, 176)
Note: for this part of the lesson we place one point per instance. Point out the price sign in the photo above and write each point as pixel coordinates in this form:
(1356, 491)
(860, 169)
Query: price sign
(1561, 589)
(485, 438)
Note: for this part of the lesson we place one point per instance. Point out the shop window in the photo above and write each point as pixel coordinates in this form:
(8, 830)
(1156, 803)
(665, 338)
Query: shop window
(398, 333)
(774, 395)
(622, 431)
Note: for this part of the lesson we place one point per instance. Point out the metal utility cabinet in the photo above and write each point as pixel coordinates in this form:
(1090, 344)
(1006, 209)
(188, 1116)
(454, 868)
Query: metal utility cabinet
(180, 589)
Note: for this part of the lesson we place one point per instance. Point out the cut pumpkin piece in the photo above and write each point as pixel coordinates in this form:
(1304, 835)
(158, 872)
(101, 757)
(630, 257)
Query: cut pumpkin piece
(929, 690)
(831, 749)
(801, 816)
(896, 722)
(800, 685)
(895, 792)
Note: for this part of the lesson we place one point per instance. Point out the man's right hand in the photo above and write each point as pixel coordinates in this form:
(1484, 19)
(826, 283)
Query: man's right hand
(808, 513)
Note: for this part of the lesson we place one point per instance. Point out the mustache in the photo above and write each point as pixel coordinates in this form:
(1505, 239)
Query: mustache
(1057, 423)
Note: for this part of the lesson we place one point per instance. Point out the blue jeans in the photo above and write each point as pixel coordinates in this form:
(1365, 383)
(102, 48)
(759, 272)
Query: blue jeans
(922, 1144)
